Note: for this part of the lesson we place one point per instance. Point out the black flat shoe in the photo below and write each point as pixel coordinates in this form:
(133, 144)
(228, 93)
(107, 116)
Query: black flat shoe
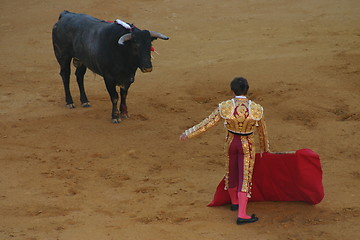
(241, 221)
(234, 207)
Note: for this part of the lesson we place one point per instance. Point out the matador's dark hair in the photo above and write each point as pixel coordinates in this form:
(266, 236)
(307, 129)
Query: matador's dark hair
(239, 86)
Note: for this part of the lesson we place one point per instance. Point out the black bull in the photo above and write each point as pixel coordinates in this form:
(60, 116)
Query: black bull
(108, 49)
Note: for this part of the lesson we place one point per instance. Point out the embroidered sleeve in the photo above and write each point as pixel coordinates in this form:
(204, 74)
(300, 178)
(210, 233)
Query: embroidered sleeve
(207, 123)
(263, 136)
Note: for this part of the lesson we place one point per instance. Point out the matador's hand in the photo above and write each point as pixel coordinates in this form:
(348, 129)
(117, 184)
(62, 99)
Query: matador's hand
(183, 137)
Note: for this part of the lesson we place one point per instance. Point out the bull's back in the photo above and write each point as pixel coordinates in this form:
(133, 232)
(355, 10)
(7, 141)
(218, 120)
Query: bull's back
(79, 35)
(71, 25)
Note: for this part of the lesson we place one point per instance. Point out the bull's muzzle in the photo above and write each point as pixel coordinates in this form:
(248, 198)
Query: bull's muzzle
(145, 70)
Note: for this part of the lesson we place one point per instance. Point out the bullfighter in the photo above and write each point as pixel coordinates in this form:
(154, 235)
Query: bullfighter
(241, 117)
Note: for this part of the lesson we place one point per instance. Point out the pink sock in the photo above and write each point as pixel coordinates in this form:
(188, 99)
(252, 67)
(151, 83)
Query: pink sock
(233, 195)
(243, 199)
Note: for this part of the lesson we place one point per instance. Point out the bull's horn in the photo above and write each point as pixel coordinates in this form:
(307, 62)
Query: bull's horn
(124, 38)
(158, 35)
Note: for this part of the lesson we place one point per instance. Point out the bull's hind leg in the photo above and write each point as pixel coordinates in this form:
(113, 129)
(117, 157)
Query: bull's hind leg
(80, 72)
(64, 62)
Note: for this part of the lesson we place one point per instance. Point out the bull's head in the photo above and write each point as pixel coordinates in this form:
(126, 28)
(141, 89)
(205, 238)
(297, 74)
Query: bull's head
(141, 45)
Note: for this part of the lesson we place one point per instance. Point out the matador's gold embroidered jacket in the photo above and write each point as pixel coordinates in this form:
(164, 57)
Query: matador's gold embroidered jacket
(240, 116)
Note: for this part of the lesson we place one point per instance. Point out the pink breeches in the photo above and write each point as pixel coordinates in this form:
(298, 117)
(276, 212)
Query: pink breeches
(236, 163)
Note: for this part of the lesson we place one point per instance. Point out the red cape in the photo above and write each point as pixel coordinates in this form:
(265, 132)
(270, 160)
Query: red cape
(282, 177)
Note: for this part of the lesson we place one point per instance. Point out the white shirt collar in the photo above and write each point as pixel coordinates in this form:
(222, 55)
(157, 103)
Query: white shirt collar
(240, 97)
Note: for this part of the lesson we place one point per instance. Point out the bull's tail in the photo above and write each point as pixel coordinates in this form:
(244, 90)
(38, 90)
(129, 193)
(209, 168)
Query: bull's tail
(63, 13)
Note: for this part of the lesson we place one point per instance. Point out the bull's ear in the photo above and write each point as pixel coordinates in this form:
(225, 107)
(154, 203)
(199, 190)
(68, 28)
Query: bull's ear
(124, 38)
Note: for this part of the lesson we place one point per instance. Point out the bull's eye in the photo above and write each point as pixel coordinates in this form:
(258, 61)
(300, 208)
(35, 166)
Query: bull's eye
(136, 48)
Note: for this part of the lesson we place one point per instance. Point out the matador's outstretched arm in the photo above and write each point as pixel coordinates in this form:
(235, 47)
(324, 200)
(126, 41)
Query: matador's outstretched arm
(207, 123)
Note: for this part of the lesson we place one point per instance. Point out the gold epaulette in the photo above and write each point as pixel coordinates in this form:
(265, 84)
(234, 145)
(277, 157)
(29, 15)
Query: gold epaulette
(226, 109)
(256, 111)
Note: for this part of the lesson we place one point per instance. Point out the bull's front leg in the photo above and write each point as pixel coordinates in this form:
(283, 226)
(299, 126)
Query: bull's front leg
(114, 97)
(123, 107)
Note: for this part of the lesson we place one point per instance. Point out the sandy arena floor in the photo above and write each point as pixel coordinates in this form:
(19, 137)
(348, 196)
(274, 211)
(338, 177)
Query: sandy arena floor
(72, 174)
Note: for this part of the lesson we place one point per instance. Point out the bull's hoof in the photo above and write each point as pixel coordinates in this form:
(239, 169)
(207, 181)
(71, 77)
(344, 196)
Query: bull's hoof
(86, 104)
(124, 116)
(70, 106)
(116, 120)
